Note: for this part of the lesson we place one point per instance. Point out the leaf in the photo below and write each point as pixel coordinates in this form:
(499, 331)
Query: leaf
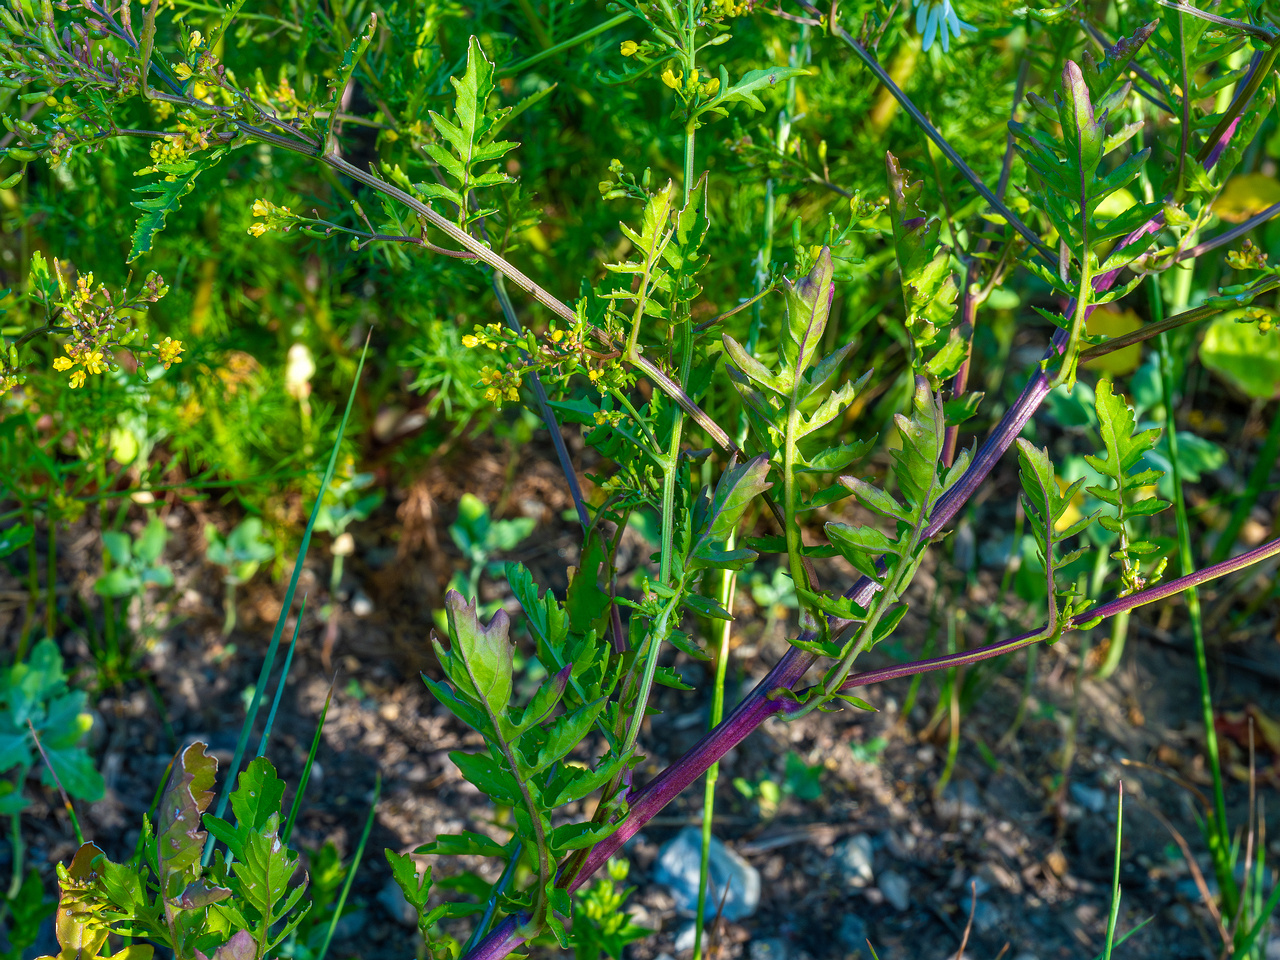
(15, 538)
(706, 607)
(264, 872)
(480, 659)
(808, 307)
(165, 197)
(924, 264)
(258, 795)
(465, 844)
(747, 89)
(179, 839)
(1100, 76)
(1243, 356)
(471, 132)
(338, 85)
(738, 487)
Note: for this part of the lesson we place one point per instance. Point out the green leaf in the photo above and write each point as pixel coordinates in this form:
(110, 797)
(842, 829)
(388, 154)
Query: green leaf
(264, 871)
(179, 839)
(924, 265)
(747, 89)
(706, 607)
(163, 197)
(479, 661)
(15, 538)
(471, 132)
(465, 844)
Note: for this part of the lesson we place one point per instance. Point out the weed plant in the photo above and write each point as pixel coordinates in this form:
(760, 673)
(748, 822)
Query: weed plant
(760, 318)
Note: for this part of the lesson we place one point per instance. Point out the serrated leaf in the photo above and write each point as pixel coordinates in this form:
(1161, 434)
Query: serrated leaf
(163, 197)
(479, 661)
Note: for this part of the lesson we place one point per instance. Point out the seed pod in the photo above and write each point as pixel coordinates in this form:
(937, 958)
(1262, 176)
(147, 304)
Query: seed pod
(34, 97)
(22, 155)
(12, 181)
(10, 21)
(46, 11)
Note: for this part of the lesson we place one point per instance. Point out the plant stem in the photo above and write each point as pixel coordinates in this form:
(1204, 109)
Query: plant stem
(15, 832)
(952, 689)
(51, 575)
(229, 605)
(1219, 835)
(728, 583)
(514, 68)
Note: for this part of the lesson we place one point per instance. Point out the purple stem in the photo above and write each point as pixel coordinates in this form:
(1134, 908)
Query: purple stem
(763, 701)
(1119, 605)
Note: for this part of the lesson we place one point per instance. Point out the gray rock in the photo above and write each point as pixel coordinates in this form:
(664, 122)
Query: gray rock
(959, 801)
(770, 948)
(685, 936)
(1273, 948)
(853, 933)
(350, 924)
(896, 890)
(852, 861)
(678, 867)
(986, 917)
(1091, 798)
(391, 899)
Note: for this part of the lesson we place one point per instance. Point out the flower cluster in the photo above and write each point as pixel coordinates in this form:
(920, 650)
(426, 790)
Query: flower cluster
(277, 218)
(501, 384)
(692, 87)
(1248, 257)
(97, 321)
(81, 360)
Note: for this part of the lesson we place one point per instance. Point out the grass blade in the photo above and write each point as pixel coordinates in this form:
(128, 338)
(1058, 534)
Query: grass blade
(247, 727)
(306, 769)
(1115, 877)
(351, 871)
(284, 675)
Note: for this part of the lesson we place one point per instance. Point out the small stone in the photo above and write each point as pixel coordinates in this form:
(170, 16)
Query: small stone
(350, 924)
(986, 917)
(770, 948)
(959, 801)
(685, 936)
(679, 864)
(852, 933)
(361, 605)
(896, 890)
(391, 899)
(852, 861)
(1091, 798)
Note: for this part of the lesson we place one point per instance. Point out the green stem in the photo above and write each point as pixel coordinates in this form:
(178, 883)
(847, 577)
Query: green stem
(51, 575)
(1219, 836)
(1115, 649)
(15, 831)
(728, 583)
(953, 707)
(229, 614)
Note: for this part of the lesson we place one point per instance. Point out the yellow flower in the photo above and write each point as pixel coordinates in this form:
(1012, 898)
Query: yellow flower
(92, 361)
(711, 87)
(168, 351)
(261, 208)
(493, 395)
(672, 79)
(63, 363)
(557, 336)
(257, 229)
(513, 394)
(470, 342)
(629, 48)
(183, 71)
(77, 379)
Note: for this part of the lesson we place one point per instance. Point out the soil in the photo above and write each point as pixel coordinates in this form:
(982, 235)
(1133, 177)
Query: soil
(1036, 849)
